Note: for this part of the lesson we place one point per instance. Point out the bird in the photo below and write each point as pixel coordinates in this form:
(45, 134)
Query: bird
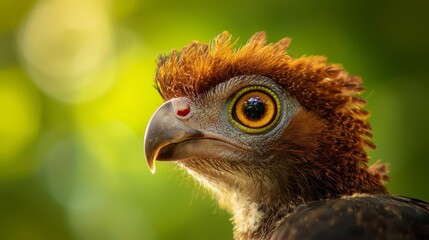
(280, 142)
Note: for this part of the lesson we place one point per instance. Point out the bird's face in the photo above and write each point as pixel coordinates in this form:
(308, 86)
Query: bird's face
(236, 123)
(259, 123)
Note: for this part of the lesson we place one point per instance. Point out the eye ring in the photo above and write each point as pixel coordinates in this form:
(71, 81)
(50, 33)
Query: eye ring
(254, 109)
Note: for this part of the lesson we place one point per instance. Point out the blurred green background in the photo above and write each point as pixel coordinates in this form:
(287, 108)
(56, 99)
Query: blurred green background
(76, 94)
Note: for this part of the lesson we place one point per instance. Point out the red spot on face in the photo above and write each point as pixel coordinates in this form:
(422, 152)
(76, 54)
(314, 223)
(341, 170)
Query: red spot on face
(184, 111)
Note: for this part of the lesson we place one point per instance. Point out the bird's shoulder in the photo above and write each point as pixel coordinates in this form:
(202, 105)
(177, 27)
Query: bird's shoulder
(359, 217)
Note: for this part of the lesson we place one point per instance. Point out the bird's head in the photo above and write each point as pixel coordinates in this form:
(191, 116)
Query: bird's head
(256, 123)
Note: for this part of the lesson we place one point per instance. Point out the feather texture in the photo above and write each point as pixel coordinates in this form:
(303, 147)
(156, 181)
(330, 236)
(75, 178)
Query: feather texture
(358, 217)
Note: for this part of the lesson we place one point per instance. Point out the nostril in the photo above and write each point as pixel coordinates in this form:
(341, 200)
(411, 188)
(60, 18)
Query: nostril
(183, 112)
(182, 109)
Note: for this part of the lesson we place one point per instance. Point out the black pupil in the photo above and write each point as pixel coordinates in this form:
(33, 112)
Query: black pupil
(254, 108)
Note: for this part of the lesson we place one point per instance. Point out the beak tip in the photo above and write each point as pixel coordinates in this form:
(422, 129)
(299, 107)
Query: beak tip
(151, 164)
(150, 157)
(152, 168)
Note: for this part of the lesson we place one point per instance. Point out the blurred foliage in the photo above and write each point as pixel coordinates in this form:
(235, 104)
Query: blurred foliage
(76, 94)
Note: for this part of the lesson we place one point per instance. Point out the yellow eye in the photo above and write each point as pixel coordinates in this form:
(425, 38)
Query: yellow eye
(254, 109)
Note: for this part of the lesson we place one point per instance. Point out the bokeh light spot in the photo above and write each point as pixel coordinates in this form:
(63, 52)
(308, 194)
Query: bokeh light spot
(20, 115)
(67, 47)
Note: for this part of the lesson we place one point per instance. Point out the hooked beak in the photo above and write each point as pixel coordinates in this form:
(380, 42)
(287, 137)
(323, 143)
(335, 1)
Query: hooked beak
(169, 138)
(165, 129)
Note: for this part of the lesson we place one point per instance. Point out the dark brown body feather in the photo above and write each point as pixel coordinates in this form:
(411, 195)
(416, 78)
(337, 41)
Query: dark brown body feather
(366, 217)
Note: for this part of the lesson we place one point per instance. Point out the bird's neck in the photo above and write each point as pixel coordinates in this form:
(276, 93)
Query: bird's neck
(255, 214)
(256, 220)
(258, 207)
